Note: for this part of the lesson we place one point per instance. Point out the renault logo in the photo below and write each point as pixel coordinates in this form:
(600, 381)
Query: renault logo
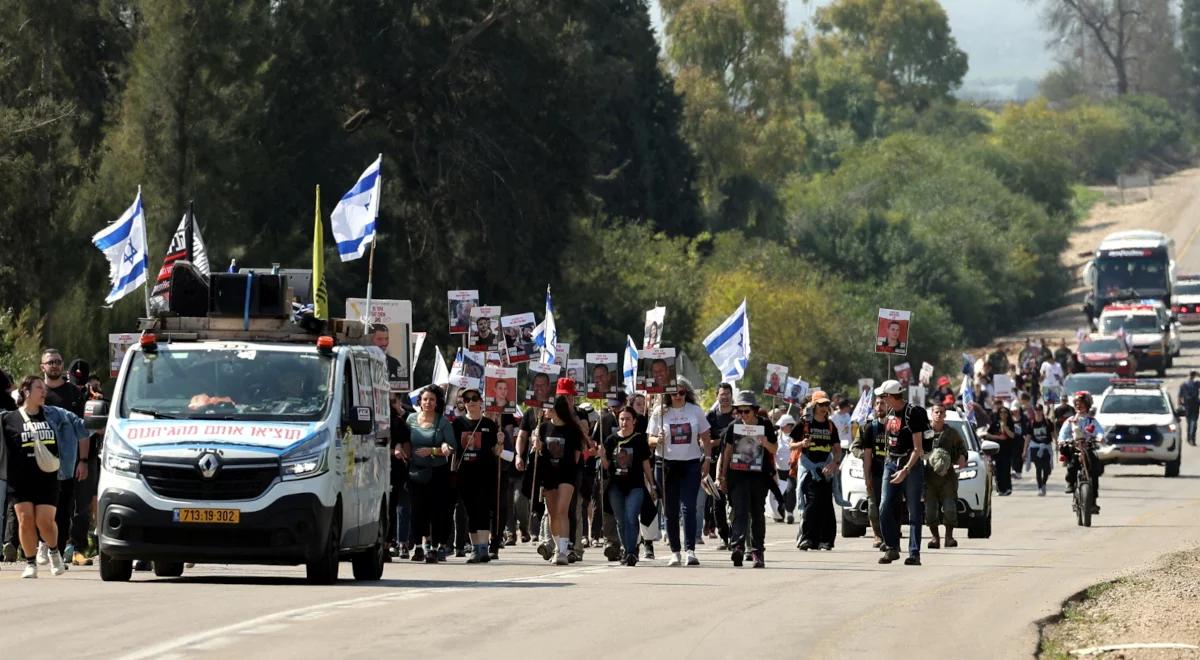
(208, 464)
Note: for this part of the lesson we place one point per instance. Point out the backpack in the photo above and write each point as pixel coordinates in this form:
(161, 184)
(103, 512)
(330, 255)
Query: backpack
(794, 457)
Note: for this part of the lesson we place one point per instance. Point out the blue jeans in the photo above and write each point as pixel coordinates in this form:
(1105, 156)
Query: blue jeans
(913, 488)
(682, 483)
(626, 509)
(1191, 426)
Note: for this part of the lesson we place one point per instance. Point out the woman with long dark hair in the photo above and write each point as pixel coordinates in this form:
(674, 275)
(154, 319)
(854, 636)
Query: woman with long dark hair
(35, 490)
(430, 446)
(679, 434)
(626, 461)
(558, 441)
(1001, 430)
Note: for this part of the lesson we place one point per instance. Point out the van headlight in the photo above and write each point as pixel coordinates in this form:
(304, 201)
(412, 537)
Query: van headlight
(967, 474)
(308, 459)
(118, 457)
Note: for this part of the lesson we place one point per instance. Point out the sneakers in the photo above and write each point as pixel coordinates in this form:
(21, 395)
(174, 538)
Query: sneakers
(631, 559)
(889, 557)
(431, 555)
(10, 552)
(691, 558)
(675, 559)
(736, 556)
(418, 554)
(80, 560)
(649, 553)
(805, 545)
(612, 553)
(42, 554)
(790, 519)
(757, 556)
(560, 559)
(404, 552)
(546, 550)
(825, 546)
(573, 556)
(1041, 491)
(56, 563)
(30, 572)
(912, 560)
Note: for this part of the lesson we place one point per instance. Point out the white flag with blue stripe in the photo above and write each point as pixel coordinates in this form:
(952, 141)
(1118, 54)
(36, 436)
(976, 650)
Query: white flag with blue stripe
(629, 368)
(545, 335)
(729, 345)
(353, 218)
(124, 245)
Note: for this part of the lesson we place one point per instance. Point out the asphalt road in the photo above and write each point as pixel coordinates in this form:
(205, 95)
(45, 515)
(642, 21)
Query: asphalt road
(978, 600)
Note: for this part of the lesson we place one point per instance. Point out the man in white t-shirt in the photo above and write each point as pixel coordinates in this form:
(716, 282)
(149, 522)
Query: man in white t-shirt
(841, 420)
(1051, 378)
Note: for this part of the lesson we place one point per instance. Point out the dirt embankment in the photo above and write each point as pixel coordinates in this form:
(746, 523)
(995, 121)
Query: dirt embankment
(1148, 614)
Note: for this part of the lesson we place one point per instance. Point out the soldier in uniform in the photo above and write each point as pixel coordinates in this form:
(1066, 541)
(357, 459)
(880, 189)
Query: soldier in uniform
(947, 451)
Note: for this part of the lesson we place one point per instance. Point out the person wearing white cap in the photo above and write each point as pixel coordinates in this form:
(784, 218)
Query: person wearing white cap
(783, 468)
(907, 430)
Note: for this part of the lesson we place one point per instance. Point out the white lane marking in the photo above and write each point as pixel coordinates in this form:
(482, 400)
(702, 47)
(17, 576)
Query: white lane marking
(220, 636)
(263, 629)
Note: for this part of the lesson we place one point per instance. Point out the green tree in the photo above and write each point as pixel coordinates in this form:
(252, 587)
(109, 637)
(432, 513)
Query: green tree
(1189, 23)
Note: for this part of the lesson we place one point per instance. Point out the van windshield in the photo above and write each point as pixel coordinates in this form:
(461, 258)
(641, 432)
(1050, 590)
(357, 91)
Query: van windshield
(244, 384)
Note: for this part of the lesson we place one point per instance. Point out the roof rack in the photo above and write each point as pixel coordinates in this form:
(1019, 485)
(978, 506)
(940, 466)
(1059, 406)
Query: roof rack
(215, 328)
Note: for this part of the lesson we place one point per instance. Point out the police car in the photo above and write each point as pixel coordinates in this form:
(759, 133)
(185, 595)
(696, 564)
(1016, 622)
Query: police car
(1185, 299)
(1147, 328)
(974, 486)
(1140, 426)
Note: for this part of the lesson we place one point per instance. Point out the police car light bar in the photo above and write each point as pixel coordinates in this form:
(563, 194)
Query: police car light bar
(1135, 382)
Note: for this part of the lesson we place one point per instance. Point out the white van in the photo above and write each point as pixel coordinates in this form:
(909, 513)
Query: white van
(246, 442)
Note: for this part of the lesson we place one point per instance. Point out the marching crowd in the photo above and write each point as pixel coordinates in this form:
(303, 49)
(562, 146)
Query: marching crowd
(637, 471)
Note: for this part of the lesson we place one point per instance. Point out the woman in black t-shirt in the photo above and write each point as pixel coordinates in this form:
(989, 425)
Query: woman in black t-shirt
(478, 446)
(559, 444)
(626, 461)
(34, 490)
(747, 462)
(1002, 431)
(1041, 447)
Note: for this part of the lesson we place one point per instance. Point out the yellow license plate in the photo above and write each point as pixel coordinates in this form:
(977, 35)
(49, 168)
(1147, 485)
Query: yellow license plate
(208, 516)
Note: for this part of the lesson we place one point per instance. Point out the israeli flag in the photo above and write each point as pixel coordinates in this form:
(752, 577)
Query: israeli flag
(629, 370)
(545, 335)
(124, 245)
(729, 345)
(353, 218)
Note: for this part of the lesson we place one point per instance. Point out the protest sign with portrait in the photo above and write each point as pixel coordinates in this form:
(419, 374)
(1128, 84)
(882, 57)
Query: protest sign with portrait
(775, 380)
(658, 374)
(518, 337)
(389, 323)
(459, 306)
(542, 378)
(653, 333)
(602, 375)
(891, 335)
(500, 389)
(484, 332)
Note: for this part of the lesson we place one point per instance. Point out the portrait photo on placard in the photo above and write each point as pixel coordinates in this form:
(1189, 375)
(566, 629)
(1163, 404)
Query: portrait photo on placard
(500, 389)
(775, 380)
(518, 337)
(460, 304)
(797, 389)
(652, 334)
(575, 371)
(891, 334)
(658, 374)
(903, 373)
(541, 378)
(602, 375)
(485, 329)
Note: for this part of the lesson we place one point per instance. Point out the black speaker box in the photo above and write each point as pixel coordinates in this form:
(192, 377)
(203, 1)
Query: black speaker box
(228, 291)
(189, 290)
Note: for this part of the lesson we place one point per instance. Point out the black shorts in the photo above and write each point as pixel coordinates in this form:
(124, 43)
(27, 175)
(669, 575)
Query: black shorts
(552, 476)
(39, 489)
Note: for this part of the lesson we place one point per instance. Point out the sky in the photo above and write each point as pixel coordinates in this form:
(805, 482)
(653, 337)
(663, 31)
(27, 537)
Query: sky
(1003, 39)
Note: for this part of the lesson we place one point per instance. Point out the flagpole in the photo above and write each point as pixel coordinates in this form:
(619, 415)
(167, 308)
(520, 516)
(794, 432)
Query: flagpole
(374, 240)
(189, 234)
(145, 257)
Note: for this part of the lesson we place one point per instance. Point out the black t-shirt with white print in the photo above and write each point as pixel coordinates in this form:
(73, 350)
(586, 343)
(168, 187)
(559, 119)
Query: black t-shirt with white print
(19, 439)
(476, 440)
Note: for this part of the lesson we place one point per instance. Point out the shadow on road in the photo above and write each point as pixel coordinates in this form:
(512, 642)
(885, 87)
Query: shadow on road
(386, 583)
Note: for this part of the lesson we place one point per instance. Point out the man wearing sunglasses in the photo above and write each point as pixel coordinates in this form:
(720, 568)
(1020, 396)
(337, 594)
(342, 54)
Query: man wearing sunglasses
(64, 394)
(747, 463)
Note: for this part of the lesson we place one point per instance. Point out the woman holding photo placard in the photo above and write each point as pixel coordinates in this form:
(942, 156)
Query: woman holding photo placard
(747, 449)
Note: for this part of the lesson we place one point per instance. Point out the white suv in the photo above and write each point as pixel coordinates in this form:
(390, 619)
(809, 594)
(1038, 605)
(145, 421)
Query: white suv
(1140, 426)
(974, 486)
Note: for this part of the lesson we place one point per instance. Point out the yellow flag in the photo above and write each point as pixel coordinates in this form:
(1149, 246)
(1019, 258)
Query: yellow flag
(320, 293)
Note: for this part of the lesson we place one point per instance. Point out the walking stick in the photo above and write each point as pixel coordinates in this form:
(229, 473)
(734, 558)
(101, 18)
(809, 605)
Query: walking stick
(496, 514)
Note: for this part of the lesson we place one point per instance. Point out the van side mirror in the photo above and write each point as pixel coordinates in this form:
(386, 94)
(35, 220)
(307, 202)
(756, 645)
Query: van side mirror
(990, 447)
(95, 415)
(360, 421)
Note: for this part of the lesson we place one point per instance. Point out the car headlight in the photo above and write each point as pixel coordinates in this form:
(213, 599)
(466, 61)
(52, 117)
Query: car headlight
(1123, 363)
(971, 464)
(967, 474)
(307, 459)
(118, 457)
(856, 473)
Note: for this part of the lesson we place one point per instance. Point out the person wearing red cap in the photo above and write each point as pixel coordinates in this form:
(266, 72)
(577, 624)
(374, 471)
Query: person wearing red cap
(558, 442)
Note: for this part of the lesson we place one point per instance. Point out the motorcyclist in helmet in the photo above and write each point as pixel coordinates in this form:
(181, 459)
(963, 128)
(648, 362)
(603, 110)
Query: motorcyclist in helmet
(1081, 425)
